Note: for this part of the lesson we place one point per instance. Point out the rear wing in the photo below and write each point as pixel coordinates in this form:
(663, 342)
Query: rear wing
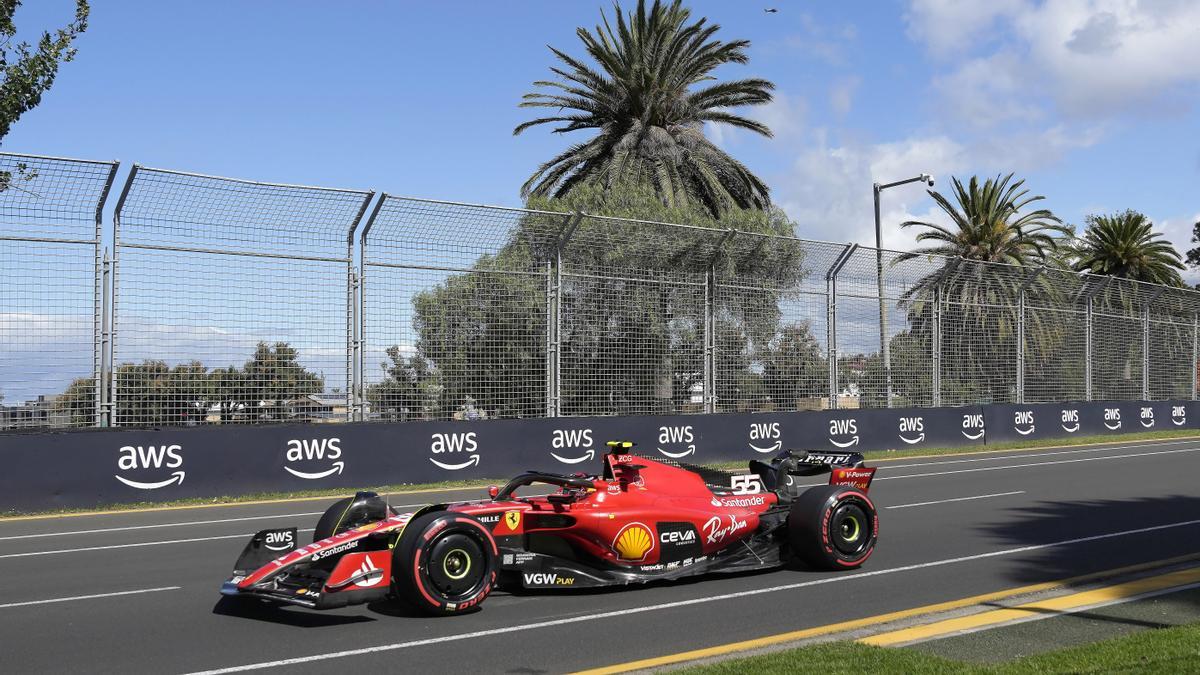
(845, 468)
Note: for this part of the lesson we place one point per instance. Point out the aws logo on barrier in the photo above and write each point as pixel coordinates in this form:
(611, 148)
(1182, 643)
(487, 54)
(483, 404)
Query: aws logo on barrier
(972, 426)
(1178, 415)
(1023, 422)
(677, 436)
(843, 428)
(1112, 418)
(912, 426)
(1070, 421)
(157, 458)
(762, 433)
(454, 446)
(574, 440)
(1147, 419)
(305, 450)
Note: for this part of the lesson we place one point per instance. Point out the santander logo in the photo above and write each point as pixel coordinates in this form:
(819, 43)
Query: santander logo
(300, 450)
(146, 457)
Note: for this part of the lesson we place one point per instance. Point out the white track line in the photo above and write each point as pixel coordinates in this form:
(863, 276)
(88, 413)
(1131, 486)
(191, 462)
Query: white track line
(681, 603)
(956, 499)
(1022, 466)
(1037, 454)
(150, 527)
(189, 522)
(145, 543)
(89, 597)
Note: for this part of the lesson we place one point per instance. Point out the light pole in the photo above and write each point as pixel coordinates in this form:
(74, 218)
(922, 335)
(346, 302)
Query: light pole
(883, 341)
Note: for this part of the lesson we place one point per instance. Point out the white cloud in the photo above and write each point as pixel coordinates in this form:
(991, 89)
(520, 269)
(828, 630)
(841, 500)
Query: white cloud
(828, 191)
(841, 94)
(1090, 58)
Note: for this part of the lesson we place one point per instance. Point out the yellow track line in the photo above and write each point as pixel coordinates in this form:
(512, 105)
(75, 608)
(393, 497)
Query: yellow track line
(844, 626)
(1061, 605)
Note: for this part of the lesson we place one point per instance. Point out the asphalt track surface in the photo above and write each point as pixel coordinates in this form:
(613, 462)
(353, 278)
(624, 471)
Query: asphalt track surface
(137, 592)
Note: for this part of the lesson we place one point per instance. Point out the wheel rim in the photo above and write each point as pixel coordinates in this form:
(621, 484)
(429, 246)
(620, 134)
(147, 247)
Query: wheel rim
(456, 564)
(850, 529)
(455, 567)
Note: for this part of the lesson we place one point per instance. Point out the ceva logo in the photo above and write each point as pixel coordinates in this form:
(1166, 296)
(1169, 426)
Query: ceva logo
(912, 425)
(299, 450)
(138, 457)
(579, 439)
(1112, 418)
(1178, 415)
(843, 427)
(1070, 421)
(970, 423)
(1023, 418)
(675, 435)
(764, 432)
(457, 445)
(1147, 417)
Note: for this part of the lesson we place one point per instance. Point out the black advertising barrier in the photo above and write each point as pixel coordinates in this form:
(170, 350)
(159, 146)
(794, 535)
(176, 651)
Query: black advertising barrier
(81, 469)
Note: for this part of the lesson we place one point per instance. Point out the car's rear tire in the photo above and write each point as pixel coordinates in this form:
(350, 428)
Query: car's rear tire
(444, 563)
(833, 527)
(327, 526)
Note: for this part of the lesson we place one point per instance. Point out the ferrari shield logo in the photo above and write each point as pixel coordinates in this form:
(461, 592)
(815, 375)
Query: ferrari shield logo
(512, 519)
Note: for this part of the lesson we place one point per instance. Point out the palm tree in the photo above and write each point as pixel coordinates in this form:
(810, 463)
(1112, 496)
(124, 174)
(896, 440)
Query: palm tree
(979, 301)
(643, 96)
(988, 225)
(1125, 245)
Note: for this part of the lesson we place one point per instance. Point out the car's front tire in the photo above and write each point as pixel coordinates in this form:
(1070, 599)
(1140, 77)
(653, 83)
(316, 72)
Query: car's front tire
(444, 563)
(833, 527)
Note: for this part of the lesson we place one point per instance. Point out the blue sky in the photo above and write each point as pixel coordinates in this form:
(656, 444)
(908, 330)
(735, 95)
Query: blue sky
(1093, 101)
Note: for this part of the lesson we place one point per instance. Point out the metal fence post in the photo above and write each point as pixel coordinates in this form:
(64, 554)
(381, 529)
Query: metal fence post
(1087, 350)
(1195, 350)
(554, 317)
(100, 323)
(104, 380)
(363, 412)
(937, 346)
(710, 324)
(831, 318)
(354, 391)
(1029, 279)
(114, 274)
(1146, 341)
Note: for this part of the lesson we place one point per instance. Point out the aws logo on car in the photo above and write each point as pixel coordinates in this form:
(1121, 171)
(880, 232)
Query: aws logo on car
(762, 433)
(575, 440)
(156, 460)
(1070, 421)
(454, 446)
(677, 436)
(846, 429)
(972, 426)
(912, 426)
(315, 450)
(1023, 422)
(1178, 415)
(1112, 418)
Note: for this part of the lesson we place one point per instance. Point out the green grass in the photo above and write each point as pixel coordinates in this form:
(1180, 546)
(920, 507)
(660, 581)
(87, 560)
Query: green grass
(483, 482)
(1167, 650)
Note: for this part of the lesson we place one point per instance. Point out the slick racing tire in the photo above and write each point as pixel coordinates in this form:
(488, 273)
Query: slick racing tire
(444, 563)
(329, 523)
(833, 527)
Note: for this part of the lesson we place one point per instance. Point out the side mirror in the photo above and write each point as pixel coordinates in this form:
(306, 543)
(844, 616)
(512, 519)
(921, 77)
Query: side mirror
(493, 491)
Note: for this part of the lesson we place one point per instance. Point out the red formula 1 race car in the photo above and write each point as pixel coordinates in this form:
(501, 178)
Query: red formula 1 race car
(644, 519)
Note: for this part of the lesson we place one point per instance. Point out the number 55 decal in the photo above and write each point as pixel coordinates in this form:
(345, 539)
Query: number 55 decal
(748, 484)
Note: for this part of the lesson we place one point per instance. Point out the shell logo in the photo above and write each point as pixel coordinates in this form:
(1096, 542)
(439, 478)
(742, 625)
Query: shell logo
(633, 543)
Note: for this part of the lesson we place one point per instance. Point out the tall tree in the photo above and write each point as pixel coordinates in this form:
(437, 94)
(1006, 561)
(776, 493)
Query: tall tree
(1125, 245)
(648, 94)
(28, 71)
(990, 223)
(1193, 254)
